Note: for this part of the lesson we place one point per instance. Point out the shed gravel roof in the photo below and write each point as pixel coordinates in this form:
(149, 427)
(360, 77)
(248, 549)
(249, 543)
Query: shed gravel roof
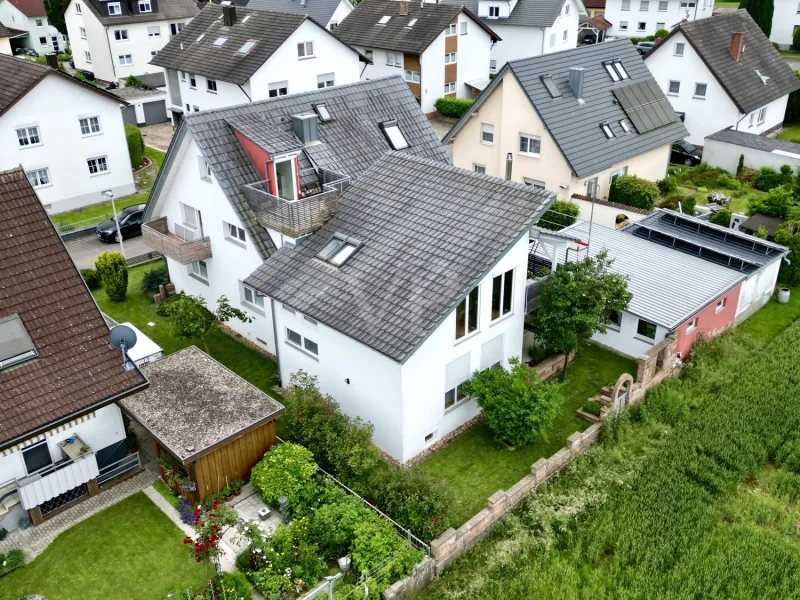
(195, 404)
(429, 233)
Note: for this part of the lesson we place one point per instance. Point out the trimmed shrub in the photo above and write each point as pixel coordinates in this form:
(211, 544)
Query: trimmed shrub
(133, 135)
(113, 271)
(777, 203)
(133, 81)
(768, 178)
(561, 214)
(452, 107)
(92, 279)
(688, 204)
(722, 218)
(661, 33)
(286, 470)
(634, 191)
(153, 279)
(728, 182)
(668, 185)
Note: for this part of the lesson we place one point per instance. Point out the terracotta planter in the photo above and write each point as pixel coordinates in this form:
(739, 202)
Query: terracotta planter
(228, 498)
(237, 492)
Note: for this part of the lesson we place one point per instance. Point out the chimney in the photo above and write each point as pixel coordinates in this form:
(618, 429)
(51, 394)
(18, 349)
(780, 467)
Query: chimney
(52, 61)
(228, 15)
(305, 127)
(576, 82)
(403, 8)
(737, 45)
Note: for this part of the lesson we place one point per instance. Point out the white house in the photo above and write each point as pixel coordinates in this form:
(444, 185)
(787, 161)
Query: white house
(440, 49)
(641, 18)
(723, 72)
(72, 149)
(785, 21)
(230, 55)
(328, 13)
(199, 194)
(61, 435)
(5, 39)
(30, 16)
(117, 39)
(528, 27)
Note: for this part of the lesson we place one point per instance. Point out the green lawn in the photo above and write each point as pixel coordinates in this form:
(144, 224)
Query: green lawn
(739, 198)
(726, 4)
(772, 318)
(130, 551)
(789, 53)
(140, 310)
(791, 133)
(476, 465)
(91, 215)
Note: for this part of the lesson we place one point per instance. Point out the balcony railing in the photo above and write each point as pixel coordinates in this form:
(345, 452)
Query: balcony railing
(157, 235)
(296, 218)
(61, 477)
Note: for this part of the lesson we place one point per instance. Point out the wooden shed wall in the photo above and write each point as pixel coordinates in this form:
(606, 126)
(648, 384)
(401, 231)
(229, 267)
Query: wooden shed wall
(233, 460)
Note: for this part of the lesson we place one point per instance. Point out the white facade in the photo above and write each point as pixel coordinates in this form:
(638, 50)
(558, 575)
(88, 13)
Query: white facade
(113, 52)
(756, 290)
(681, 73)
(406, 402)
(785, 19)
(603, 214)
(625, 339)
(58, 155)
(340, 14)
(42, 36)
(332, 61)
(641, 18)
(724, 155)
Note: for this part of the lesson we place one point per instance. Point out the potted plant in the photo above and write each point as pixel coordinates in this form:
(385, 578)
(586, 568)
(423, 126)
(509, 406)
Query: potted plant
(188, 486)
(3, 534)
(227, 493)
(24, 524)
(236, 486)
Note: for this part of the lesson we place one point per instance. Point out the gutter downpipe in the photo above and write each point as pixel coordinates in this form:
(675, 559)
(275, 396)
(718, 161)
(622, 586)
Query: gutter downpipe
(736, 128)
(110, 54)
(249, 99)
(275, 338)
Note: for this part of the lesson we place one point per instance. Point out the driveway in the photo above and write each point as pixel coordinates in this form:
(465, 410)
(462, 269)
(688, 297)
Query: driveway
(84, 251)
(441, 127)
(158, 136)
(794, 63)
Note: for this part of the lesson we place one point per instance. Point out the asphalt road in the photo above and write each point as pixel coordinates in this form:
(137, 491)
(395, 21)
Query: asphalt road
(84, 251)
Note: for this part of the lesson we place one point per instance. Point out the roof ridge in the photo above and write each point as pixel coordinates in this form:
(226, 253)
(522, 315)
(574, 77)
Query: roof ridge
(587, 48)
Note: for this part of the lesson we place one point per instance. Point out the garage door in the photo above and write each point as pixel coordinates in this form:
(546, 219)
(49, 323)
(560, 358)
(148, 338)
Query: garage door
(155, 112)
(129, 114)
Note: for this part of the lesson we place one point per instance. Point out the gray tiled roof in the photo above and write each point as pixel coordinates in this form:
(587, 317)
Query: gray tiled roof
(756, 142)
(528, 13)
(349, 144)
(575, 127)
(274, 140)
(667, 285)
(429, 233)
(269, 28)
(711, 39)
(361, 27)
(319, 10)
(166, 10)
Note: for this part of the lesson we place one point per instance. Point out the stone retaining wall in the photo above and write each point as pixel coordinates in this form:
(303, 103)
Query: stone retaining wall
(550, 366)
(405, 589)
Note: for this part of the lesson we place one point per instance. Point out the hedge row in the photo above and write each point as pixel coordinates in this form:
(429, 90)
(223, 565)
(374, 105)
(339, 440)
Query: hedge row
(452, 107)
(133, 135)
(634, 191)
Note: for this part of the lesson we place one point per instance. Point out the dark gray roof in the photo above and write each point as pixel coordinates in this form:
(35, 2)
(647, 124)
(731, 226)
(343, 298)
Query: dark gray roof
(153, 80)
(274, 140)
(528, 13)
(319, 10)
(429, 232)
(756, 142)
(711, 39)
(163, 10)
(668, 286)
(185, 53)
(350, 143)
(361, 27)
(575, 127)
(758, 220)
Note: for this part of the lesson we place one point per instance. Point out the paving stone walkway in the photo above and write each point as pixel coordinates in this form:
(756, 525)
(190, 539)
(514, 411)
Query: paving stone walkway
(34, 540)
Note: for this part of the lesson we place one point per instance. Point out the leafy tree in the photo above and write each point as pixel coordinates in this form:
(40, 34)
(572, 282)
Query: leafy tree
(113, 271)
(722, 218)
(562, 213)
(777, 203)
(576, 302)
(55, 12)
(788, 235)
(761, 232)
(740, 164)
(761, 11)
(516, 405)
(133, 81)
(286, 470)
(634, 191)
(190, 318)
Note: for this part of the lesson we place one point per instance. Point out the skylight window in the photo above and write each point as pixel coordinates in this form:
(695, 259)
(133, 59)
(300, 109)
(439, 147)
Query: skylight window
(338, 249)
(322, 112)
(200, 37)
(15, 345)
(615, 69)
(625, 127)
(412, 22)
(607, 130)
(392, 132)
(621, 70)
(246, 18)
(550, 85)
(612, 71)
(384, 20)
(246, 47)
(219, 42)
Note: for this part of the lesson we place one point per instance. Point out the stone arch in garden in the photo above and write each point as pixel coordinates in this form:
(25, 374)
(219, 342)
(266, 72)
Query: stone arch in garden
(621, 396)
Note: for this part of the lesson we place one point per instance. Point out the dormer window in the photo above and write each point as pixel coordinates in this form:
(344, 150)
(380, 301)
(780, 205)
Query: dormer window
(384, 20)
(392, 132)
(322, 112)
(145, 6)
(15, 345)
(338, 249)
(219, 42)
(607, 130)
(114, 9)
(494, 12)
(615, 69)
(246, 47)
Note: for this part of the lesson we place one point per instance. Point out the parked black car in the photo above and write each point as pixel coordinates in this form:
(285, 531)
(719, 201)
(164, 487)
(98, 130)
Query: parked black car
(130, 224)
(683, 153)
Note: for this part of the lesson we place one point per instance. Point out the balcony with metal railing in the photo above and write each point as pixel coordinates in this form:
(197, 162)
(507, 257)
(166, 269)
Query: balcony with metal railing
(318, 201)
(157, 235)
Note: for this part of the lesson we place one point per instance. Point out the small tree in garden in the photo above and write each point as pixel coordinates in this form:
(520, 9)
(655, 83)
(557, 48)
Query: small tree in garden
(286, 470)
(577, 301)
(113, 271)
(516, 405)
(209, 529)
(190, 318)
(788, 235)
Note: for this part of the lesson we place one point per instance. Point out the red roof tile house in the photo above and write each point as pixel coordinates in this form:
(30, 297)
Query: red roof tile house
(61, 433)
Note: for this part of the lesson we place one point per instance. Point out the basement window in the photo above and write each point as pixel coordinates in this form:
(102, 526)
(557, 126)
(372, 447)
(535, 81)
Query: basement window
(338, 249)
(15, 345)
(322, 112)
(393, 134)
(219, 42)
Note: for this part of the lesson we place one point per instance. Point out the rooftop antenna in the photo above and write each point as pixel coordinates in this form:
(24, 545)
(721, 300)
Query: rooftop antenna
(122, 338)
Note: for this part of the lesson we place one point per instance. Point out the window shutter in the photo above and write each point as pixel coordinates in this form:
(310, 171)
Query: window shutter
(492, 352)
(456, 372)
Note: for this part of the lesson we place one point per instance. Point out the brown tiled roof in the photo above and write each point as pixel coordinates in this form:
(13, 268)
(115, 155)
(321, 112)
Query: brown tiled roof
(30, 8)
(77, 370)
(594, 3)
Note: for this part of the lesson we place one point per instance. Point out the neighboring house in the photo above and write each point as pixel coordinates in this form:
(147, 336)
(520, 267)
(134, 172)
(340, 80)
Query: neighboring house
(570, 121)
(440, 49)
(66, 134)
(230, 55)
(595, 8)
(147, 104)
(785, 21)
(724, 148)
(116, 39)
(641, 18)
(723, 72)
(5, 39)
(328, 13)
(59, 375)
(527, 27)
(30, 16)
(414, 284)
(200, 212)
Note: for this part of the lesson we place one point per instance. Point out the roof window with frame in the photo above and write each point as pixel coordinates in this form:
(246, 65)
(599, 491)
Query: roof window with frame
(550, 85)
(338, 249)
(246, 47)
(15, 344)
(609, 133)
(616, 70)
(322, 112)
(246, 18)
(219, 42)
(200, 37)
(393, 134)
(384, 20)
(412, 22)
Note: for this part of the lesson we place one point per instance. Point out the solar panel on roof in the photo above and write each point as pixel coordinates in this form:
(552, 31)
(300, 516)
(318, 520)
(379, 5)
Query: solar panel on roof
(645, 106)
(550, 85)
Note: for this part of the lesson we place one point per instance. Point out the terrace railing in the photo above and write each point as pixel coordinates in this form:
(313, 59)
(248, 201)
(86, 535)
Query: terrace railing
(157, 235)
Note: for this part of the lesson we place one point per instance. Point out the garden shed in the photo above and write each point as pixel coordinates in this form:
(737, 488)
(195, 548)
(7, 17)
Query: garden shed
(215, 425)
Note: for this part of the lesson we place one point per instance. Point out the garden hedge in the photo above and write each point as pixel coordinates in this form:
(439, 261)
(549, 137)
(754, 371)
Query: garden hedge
(92, 279)
(452, 107)
(632, 190)
(133, 135)
(561, 214)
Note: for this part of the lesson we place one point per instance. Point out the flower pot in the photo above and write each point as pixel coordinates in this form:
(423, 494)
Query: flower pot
(344, 563)
(237, 492)
(228, 498)
(783, 295)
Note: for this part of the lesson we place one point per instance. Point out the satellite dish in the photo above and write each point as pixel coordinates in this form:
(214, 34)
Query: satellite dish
(122, 337)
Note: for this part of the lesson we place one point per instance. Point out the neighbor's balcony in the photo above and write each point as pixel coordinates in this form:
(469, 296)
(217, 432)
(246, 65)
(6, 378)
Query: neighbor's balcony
(59, 478)
(157, 235)
(318, 202)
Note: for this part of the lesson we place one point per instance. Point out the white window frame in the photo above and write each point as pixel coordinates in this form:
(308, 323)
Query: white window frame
(234, 233)
(527, 140)
(450, 87)
(679, 49)
(565, 35)
(450, 58)
(503, 277)
(99, 161)
(305, 50)
(494, 12)
(552, 40)
(705, 91)
(721, 305)
(205, 168)
(153, 31)
(183, 75)
(211, 86)
(117, 9)
(466, 301)
(534, 183)
(451, 29)
(302, 345)
(255, 296)
(26, 133)
(192, 81)
(145, 6)
(663, 5)
(78, 9)
(88, 56)
(463, 27)
(692, 325)
(661, 26)
(487, 128)
(607, 131)
(478, 168)
(641, 26)
(125, 60)
(762, 116)
(624, 124)
(82, 31)
(326, 80)
(413, 77)
(121, 35)
(644, 5)
(626, 5)
(623, 26)
(394, 59)
(43, 41)
(493, 65)
(566, 9)
(196, 268)
(669, 88)
(39, 23)
(36, 182)
(456, 396)
(276, 87)
(92, 125)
